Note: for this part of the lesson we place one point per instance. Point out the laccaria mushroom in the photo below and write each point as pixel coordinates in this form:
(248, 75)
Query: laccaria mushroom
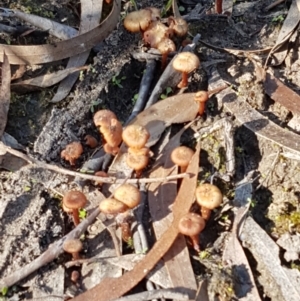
(90, 141)
(100, 173)
(72, 152)
(135, 136)
(113, 132)
(165, 46)
(137, 162)
(182, 156)
(155, 33)
(218, 6)
(178, 25)
(185, 62)
(144, 151)
(208, 197)
(139, 20)
(201, 97)
(128, 194)
(103, 118)
(110, 149)
(73, 246)
(155, 13)
(191, 225)
(112, 206)
(74, 200)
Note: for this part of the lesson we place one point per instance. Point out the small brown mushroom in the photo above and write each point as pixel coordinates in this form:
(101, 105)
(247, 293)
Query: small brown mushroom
(73, 246)
(178, 25)
(110, 150)
(155, 13)
(201, 97)
(185, 62)
(103, 117)
(208, 197)
(72, 152)
(218, 6)
(112, 133)
(191, 224)
(135, 136)
(128, 194)
(139, 20)
(74, 200)
(182, 156)
(144, 151)
(90, 141)
(112, 206)
(100, 173)
(137, 162)
(165, 46)
(155, 33)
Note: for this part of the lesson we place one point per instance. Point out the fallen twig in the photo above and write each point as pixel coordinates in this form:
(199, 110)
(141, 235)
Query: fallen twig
(111, 180)
(274, 4)
(143, 91)
(53, 251)
(172, 294)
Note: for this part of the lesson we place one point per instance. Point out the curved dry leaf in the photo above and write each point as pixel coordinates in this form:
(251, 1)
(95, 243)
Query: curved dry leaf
(46, 80)
(4, 93)
(39, 54)
(112, 288)
(90, 16)
(56, 29)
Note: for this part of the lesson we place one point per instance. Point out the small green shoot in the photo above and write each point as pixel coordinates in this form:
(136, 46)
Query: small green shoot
(204, 254)
(82, 214)
(168, 91)
(94, 104)
(116, 81)
(4, 291)
(133, 3)
(166, 8)
(27, 188)
(81, 75)
(252, 202)
(134, 98)
(278, 19)
(130, 243)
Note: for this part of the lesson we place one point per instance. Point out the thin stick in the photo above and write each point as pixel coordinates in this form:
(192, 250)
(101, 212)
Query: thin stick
(273, 5)
(169, 293)
(111, 180)
(49, 255)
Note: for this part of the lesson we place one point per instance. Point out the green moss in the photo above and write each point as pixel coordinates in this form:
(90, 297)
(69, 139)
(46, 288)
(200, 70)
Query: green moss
(283, 222)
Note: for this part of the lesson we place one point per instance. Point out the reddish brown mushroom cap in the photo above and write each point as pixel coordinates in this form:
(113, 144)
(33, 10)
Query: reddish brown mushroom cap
(209, 196)
(73, 246)
(72, 152)
(155, 33)
(155, 13)
(103, 117)
(100, 173)
(128, 194)
(144, 151)
(201, 97)
(182, 156)
(185, 62)
(90, 141)
(110, 150)
(138, 20)
(135, 136)
(179, 26)
(165, 46)
(112, 206)
(113, 132)
(191, 224)
(137, 162)
(74, 199)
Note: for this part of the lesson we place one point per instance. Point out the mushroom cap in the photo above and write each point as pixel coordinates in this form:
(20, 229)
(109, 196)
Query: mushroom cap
(186, 62)
(137, 162)
(155, 33)
(201, 96)
(72, 152)
(74, 199)
(128, 194)
(135, 136)
(112, 133)
(191, 224)
(66, 209)
(144, 151)
(103, 117)
(72, 245)
(180, 26)
(138, 20)
(182, 156)
(110, 150)
(166, 45)
(100, 173)
(90, 141)
(112, 206)
(209, 196)
(155, 13)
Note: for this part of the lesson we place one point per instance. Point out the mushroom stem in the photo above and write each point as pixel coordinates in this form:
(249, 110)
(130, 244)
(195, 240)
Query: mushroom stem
(183, 169)
(76, 217)
(184, 80)
(164, 57)
(218, 6)
(75, 255)
(201, 108)
(195, 242)
(126, 231)
(205, 213)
